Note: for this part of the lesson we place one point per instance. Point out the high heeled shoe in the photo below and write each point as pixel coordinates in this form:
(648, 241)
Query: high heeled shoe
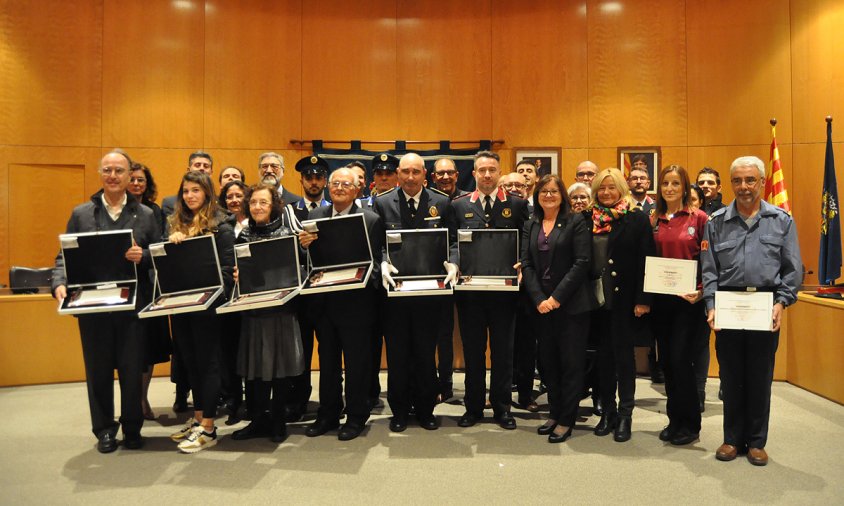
(559, 438)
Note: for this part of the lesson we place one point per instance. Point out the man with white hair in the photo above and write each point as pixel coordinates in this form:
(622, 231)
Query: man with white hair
(271, 171)
(749, 246)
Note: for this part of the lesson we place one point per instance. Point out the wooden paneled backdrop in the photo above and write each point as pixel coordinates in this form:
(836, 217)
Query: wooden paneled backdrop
(163, 78)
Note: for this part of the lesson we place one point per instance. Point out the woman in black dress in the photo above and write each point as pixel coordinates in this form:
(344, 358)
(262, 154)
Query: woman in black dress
(556, 254)
(621, 239)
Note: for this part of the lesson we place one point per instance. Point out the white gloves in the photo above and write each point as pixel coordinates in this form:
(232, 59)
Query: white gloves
(451, 271)
(386, 279)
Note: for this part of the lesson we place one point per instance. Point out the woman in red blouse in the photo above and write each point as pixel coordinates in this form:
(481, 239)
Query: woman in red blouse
(676, 319)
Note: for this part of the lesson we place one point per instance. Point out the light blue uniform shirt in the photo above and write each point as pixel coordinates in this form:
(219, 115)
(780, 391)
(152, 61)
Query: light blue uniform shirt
(762, 254)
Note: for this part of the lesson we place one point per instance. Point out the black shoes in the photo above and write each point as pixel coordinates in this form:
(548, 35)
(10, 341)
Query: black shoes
(398, 423)
(547, 428)
(132, 441)
(349, 431)
(684, 437)
(259, 427)
(321, 426)
(623, 429)
(506, 421)
(294, 412)
(667, 433)
(278, 433)
(107, 443)
(597, 406)
(559, 438)
(469, 419)
(428, 422)
(606, 424)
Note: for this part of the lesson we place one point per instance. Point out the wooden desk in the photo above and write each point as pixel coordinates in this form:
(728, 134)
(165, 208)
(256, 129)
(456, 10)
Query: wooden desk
(816, 345)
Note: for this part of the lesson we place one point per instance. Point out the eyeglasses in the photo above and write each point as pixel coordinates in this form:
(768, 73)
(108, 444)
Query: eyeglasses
(442, 173)
(638, 178)
(749, 181)
(579, 197)
(117, 171)
(342, 184)
(514, 185)
(585, 174)
(259, 203)
(137, 180)
(549, 193)
(265, 166)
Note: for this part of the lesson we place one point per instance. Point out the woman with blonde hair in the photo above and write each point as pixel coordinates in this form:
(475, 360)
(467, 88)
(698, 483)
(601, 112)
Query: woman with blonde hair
(621, 239)
(197, 335)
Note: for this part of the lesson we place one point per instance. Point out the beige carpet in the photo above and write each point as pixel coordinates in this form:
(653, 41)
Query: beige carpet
(48, 456)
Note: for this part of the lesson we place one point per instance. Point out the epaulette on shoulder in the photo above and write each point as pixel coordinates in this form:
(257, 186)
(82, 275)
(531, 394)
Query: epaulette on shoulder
(436, 190)
(719, 212)
(462, 196)
(386, 192)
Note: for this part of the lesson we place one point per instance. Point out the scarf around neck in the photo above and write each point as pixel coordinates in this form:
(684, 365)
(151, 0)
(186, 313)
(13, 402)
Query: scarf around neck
(602, 217)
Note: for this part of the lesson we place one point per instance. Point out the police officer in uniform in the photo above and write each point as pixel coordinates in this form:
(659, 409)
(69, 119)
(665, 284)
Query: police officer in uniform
(409, 329)
(488, 207)
(314, 173)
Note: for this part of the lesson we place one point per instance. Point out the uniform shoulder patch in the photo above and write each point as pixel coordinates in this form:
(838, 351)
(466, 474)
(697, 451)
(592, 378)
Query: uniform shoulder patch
(435, 190)
(386, 192)
(460, 197)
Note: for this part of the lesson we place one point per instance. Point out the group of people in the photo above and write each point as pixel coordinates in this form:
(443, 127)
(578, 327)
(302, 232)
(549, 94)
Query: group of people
(581, 274)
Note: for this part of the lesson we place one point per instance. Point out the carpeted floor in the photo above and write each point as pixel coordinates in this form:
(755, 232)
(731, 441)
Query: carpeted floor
(48, 456)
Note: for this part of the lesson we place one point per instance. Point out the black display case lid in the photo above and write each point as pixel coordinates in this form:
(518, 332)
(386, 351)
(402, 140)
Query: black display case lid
(95, 258)
(341, 241)
(418, 252)
(190, 265)
(488, 252)
(272, 264)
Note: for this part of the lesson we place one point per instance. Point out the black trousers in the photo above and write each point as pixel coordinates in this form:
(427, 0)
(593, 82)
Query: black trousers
(231, 384)
(377, 346)
(300, 386)
(113, 341)
(197, 337)
(344, 332)
(445, 343)
(268, 396)
(524, 351)
(616, 364)
(677, 330)
(746, 359)
(411, 337)
(701, 362)
(562, 350)
(479, 313)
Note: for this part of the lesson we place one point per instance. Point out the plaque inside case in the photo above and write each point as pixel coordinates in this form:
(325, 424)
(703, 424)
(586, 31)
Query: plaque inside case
(187, 276)
(341, 257)
(487, 258)
(99, 278)
(419, 256)
(269, 274)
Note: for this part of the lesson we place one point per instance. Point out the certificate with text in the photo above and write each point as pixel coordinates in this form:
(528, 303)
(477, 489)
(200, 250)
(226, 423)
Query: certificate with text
(744, 310)
(671, 276)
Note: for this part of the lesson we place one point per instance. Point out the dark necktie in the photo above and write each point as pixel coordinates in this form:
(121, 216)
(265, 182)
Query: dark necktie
(313, 205)
(487, 205)
(412, 205)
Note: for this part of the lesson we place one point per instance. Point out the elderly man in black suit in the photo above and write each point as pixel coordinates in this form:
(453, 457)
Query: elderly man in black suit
(488, 207)
(344, 328)
(271, 171)
(409, 329)
(114, 340)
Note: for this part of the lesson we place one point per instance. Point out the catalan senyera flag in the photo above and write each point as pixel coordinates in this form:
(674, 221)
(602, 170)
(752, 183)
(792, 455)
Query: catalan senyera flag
(775, 192)
(829, 260)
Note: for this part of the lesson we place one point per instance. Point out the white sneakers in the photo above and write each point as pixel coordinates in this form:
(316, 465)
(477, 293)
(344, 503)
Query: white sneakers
(183, 433)
(197, 440)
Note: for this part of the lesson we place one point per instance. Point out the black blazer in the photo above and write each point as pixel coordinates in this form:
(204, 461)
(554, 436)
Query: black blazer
(570, 261)
(630, 241)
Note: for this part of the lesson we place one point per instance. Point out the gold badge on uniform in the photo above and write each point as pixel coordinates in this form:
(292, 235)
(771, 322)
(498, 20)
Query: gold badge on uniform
(433, 211)
(383, 158)
(506, 212)
(468, 215)
(314, 159)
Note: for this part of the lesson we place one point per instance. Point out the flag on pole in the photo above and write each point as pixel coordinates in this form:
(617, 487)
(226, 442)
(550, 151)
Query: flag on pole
(829, 260)
(775, 192)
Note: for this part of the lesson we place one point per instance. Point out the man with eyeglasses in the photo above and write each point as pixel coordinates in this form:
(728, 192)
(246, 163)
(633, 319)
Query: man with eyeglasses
(409, 330)
(445, 178)
(639, 182)
(345, 323)
(114, 340)
(198, 160)
(514, 184)
(488, 207)
(271, 172)
(749, 246)
(585, 172)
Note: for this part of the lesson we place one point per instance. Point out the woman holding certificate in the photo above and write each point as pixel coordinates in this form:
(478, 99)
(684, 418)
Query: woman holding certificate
(678, 317)
(270, 346)
(621, 239)
(197, 334)
(556, 253)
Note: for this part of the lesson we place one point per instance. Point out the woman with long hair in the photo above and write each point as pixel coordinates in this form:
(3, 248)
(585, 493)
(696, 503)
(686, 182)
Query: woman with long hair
(621, 239)
(556, 253)
(197, 334)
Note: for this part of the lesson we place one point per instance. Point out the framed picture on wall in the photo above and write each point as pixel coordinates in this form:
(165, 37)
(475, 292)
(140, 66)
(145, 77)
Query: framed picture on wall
(641, 157)
(547, 160)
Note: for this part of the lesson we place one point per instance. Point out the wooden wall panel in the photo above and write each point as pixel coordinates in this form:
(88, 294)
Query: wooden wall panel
(637, 73)
(571, 159)
(817, 71)
(153, 74)
(539, 86)
(444, 75)
(349, 70)
(738, 72)
(50, 72)
(253, 83)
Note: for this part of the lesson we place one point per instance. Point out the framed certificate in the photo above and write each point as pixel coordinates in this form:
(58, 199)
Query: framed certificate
(671, 276)
(744, 310)
(487, 258)
(419, 256)
(341, 257)
(99, 278)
